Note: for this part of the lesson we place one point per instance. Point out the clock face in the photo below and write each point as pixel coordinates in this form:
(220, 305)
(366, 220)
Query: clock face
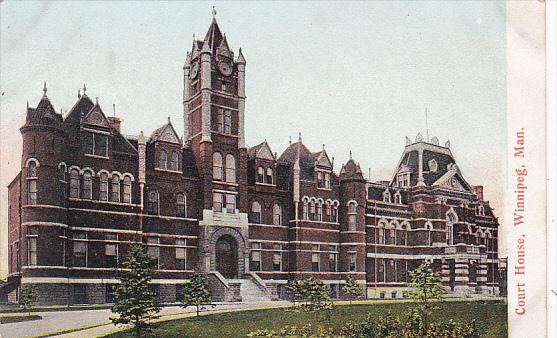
(225, 68)
(194, 70)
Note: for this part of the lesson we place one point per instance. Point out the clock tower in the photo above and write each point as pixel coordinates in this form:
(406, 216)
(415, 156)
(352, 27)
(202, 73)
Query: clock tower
(214, 104)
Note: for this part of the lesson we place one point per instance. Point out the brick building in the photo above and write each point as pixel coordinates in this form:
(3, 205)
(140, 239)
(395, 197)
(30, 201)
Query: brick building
(247, 217)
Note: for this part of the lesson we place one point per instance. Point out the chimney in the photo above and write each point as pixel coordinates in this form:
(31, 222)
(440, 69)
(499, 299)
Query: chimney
(115, 122)
(479, 191)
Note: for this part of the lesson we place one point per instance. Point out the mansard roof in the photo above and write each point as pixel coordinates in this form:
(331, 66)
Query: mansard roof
(166, 133)
(261, 151)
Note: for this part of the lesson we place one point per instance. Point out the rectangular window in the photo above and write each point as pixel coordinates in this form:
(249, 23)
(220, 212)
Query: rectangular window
(32, 191)
(255, 257)
(333, 259)
(230, 203)
(180, 254)
(90, 144)
(352, 261)
(180, 293)
(320, 181)
(225, 86)
(220, 121)
(80, 249)
(352, 222)
(227, 128)
(315, 258)
(32, 247)
(101, 145)
(153, 249)
(277, 257)
(217, 202)
(109, 293)
(111, 251)
(327, 181)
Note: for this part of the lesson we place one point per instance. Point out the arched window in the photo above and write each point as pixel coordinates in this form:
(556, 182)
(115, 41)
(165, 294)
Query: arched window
(269, 178)
(255, 212)
(398, 198)
(230, 168)
(181, 205)
(312, 210)
(405, 226)
(127, 195)
(87, 192)
(387, 196)
(451, 218)
(390, 235)
(328, 211)
(481, 210)
(352, 216)
(381, 232)
(277, 214)
(305, 210)
(32, 183)
(428, 228)
(153, 203)
(260, 175)
(62, 181)
(334, 217)
(115, 188)
(62, 172)
(103, 187)
(319, 210)
(174, 161)
(217, 166)
(162, 159)
(74, 183)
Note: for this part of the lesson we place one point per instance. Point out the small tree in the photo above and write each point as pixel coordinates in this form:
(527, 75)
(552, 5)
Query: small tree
(352, 288)
(427, 289)
(312, 292)
(196, 292)
(28, 297)
(134, 300)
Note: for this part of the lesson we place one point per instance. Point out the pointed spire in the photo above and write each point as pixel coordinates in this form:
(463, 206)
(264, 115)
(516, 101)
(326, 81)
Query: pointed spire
(241, 59)
(44, 89)
(141, 138)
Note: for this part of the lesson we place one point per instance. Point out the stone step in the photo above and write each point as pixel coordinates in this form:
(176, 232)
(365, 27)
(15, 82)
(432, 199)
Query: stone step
(249, 291)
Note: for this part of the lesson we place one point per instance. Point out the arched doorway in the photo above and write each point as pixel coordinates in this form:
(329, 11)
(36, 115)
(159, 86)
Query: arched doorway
(226, 252)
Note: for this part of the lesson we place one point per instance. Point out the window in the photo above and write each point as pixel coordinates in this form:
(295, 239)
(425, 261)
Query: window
(162, 159)
(255, 215)
(398, 198)
(255, 257)
(62, 181)
(352, 261)
(90, 144)
(217, 201)
(87, 192)
(277, 214)
(352, 216)
(481, 210)
(387, 196)
(315, 258)
(333, 259)
(217, 166)
(305, 210)
(110, 290)
(153, 203)
(230, 169)
(181, 205)
(260, 175)
(115, 185)
(319, 210)
(225, 86)
(103, 187)
(320, 180)
(451, 218)
(391, 236)
(428, 227)
(32, 183)
(127, 195)
(269, 177)
(80, 249)
(230, 203)
(96, 144)
(312, 210)
(328, 211)
(327, 181)
(174, 161)
(335, 214)
(74, 183)
(277, 257)
(111, 251)
(62, 172)
(227, 128)
(153, 249)
(32, 234)
(403, 180)
(380, 234)
(180, 254)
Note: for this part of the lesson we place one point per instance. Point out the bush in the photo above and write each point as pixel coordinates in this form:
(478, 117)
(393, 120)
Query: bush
(312, 292)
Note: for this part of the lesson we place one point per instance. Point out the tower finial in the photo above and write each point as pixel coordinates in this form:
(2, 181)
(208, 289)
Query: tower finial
(214, 12)
(323, 146)
(97, 100)
(114, 109)
(44, 89)
(79, 93)
(299, 136)
(289, 136)
(169, 119)
(350, 154)
(84, 90)
(27, 104)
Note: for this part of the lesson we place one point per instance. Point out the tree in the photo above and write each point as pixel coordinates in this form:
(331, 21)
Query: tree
(134, 300)
(312, 292)
(427, 289)
(28, 297)
(352, 288)
(196, 292)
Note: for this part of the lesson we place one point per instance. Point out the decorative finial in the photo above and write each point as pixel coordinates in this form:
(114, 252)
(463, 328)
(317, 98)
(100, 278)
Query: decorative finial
(323, 146)
(84, 89)
(168, 119)
(79, 93)
(289, 136)
(194, 37)
(97, 100)
(44, 89)
(114, 109)
(350, 154)
(299, 137)
(27, 104)
(214, 12)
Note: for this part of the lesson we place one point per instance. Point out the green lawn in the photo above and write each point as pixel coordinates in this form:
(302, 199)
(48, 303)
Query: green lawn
(14, 318)
(491, 319)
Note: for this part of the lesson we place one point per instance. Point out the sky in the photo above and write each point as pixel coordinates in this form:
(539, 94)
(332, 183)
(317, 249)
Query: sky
(353, 76)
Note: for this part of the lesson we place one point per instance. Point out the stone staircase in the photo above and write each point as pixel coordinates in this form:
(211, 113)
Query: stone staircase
(250, 292)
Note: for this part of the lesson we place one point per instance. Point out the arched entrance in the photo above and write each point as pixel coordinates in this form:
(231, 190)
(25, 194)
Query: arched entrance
(226, 252)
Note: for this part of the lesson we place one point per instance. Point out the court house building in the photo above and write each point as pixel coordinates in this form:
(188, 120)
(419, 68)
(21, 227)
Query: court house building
(251, 219)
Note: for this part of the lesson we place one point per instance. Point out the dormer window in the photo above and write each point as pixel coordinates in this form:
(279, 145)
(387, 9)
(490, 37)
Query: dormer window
(327, 181)
(96, 144)
(174, 161)
(260, 175)
(481, 210)
(323, 180)
(320, 180)
(387, 196)
(269, 177)
(398, 198)
(162, 159)
(403, 180)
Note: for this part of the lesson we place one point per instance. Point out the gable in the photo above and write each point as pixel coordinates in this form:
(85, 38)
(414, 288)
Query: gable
(454, 181)
(168, 135)
(323, 160)
(265, 153)
(96, 117)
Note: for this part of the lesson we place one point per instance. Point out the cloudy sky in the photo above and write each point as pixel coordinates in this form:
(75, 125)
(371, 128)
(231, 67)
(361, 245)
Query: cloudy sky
(352, 75)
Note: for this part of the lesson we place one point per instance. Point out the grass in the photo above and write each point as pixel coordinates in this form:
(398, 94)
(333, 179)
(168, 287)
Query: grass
(56, 308)
(5, 319)
(491, 317)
